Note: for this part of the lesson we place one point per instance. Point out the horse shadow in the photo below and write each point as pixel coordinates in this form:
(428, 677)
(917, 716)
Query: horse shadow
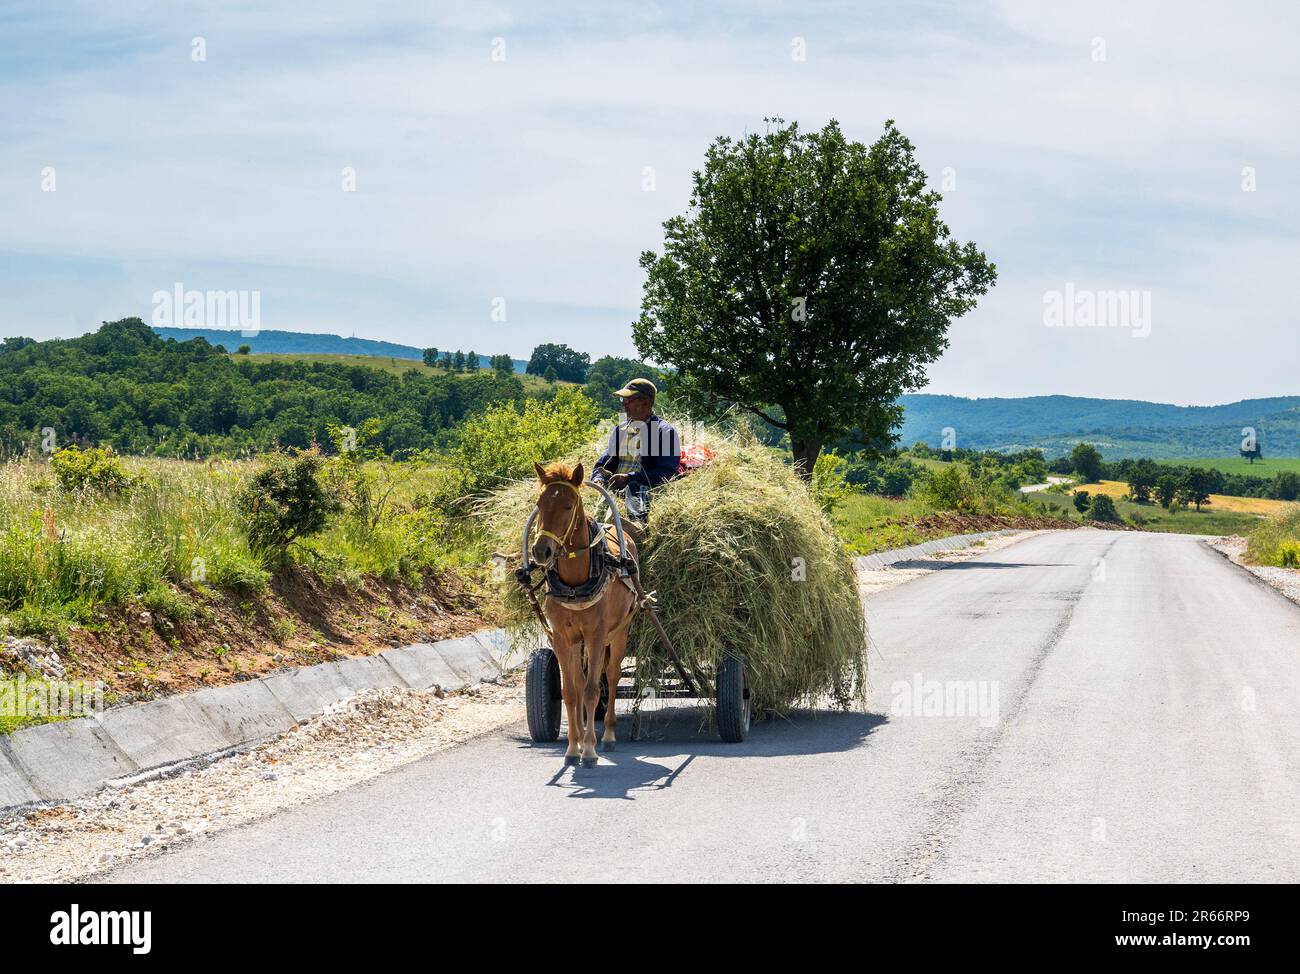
(674, 738)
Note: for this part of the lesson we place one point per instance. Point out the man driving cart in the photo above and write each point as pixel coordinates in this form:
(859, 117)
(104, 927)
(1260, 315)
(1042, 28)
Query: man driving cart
(643, 452)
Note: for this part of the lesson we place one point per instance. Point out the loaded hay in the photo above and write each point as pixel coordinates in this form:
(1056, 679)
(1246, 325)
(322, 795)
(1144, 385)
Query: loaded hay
(740, 559)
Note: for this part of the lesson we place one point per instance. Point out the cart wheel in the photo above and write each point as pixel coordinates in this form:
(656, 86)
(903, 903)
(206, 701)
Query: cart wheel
(542, 695)
(733, 699)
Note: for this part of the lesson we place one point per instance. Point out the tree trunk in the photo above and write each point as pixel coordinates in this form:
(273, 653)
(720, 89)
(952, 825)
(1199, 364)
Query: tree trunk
(805, 456)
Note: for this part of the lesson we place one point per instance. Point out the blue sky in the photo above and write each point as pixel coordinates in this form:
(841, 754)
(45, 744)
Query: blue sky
(522, 178)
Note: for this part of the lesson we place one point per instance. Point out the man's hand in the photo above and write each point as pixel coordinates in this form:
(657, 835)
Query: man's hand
(617, 482)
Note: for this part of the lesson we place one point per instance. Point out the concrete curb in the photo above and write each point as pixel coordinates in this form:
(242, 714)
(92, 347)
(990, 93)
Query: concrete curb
(883, 559)
(57, 762)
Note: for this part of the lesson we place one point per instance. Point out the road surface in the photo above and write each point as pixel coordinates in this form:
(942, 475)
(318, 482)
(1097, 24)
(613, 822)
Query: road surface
(1146, 729)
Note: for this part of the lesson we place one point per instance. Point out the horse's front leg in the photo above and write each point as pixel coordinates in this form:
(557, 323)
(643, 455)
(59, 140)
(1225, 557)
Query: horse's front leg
(594, 639)
(567, 653)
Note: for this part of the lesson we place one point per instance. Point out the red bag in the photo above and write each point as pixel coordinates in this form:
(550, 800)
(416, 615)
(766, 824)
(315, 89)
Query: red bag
(694, 457)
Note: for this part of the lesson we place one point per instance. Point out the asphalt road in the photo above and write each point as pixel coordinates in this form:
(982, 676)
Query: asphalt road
(1146, 729)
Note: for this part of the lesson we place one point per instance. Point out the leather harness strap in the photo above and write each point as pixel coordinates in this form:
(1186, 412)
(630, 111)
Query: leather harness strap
(563, 542)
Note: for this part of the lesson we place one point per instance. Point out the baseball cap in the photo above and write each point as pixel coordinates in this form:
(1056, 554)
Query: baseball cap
(638, 387)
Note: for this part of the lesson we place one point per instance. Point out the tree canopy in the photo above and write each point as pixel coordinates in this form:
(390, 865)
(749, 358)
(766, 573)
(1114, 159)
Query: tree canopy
(125, 385)
(1085, 460)
(810, 273)
(569, 365)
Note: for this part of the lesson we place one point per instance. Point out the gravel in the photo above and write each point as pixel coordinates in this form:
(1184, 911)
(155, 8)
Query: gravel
(358, 739)
(1285, 580)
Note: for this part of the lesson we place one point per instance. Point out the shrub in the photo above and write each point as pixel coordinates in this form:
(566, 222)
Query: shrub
(1081, 501)
(829, 486)
(1289, 554)
(96, 470)
(949, 489)
(502, 442)
(284, 503)
(1102, 508)
(893, 476)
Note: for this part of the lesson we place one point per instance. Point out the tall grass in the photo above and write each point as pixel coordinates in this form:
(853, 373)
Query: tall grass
(1277, 540)
(177, 533)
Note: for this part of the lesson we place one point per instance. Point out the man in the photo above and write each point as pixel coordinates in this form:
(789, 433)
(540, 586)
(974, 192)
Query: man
(643, 452)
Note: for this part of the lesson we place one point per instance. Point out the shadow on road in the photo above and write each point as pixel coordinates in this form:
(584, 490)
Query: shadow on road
(674, 738)
(934, 564)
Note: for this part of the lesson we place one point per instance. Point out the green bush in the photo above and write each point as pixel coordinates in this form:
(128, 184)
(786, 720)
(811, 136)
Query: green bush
(1289, 554)
(95, 470)
(285, 503)
(950, 489)
(892, 476)
(501, 443)
(829, 486)
(1102, 508)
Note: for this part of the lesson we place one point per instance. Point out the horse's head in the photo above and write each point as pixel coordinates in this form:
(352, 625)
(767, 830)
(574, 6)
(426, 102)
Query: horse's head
(559, 512)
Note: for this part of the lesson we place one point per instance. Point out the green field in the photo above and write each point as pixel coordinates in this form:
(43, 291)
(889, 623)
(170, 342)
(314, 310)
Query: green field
(1153, 517)
(384, 363)
(1267, 468)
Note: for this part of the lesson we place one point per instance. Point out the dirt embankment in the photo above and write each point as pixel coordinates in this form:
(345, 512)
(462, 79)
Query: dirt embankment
(951, 523)
(298, 621)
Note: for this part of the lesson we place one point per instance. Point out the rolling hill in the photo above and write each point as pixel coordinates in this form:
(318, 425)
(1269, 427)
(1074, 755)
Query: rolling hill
(305, 343)
(1118, 427)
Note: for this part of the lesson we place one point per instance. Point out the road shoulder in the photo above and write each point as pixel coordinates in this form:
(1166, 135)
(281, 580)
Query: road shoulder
(1285, 581)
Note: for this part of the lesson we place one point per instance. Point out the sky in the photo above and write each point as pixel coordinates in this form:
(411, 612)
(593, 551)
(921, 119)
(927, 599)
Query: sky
(486, 175)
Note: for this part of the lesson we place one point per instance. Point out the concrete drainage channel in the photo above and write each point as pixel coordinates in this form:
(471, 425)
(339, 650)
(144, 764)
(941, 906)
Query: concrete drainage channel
(72, 758)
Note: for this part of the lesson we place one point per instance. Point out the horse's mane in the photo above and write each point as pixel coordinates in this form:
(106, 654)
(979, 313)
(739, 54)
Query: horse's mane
(557, 471)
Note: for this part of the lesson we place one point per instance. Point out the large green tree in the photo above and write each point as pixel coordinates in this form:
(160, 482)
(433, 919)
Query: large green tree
(811, 273)
(1196, 487)
(1085, 460)
(568, 364)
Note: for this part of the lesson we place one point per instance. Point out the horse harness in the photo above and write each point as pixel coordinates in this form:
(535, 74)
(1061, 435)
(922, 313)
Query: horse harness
(604, 569)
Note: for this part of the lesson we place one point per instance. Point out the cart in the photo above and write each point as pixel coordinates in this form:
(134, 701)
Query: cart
(727, 687)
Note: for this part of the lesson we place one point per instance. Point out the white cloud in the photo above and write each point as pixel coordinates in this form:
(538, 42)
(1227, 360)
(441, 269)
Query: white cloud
(523, 178)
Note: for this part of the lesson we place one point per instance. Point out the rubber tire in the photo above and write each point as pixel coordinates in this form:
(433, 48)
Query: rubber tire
(542, 699)
(734, 711)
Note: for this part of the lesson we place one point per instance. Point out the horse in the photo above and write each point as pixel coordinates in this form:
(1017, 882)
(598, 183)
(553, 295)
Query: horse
(588, 615)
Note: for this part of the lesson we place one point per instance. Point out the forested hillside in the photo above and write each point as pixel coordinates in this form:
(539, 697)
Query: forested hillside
(1119, 427)
(127, 386)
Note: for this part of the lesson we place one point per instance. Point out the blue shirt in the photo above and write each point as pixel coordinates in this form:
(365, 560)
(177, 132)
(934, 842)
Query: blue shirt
(649, 453)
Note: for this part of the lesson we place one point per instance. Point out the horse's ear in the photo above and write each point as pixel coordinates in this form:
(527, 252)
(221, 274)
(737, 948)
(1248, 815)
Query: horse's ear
(541, 471)
(576, 478)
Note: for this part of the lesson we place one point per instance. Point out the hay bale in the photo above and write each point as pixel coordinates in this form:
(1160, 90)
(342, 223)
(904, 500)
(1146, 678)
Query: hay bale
(741, 559)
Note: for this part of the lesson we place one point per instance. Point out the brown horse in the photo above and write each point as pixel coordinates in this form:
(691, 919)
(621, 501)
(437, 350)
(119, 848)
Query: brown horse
(590, 634)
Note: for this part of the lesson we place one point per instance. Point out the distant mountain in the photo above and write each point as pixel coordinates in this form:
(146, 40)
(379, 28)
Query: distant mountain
(1118, 427)
(305, 343)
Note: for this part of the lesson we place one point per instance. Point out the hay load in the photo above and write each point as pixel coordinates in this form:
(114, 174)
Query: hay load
(741, 559)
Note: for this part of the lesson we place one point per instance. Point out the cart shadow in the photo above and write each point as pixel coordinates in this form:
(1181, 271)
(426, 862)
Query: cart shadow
(674, 738)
